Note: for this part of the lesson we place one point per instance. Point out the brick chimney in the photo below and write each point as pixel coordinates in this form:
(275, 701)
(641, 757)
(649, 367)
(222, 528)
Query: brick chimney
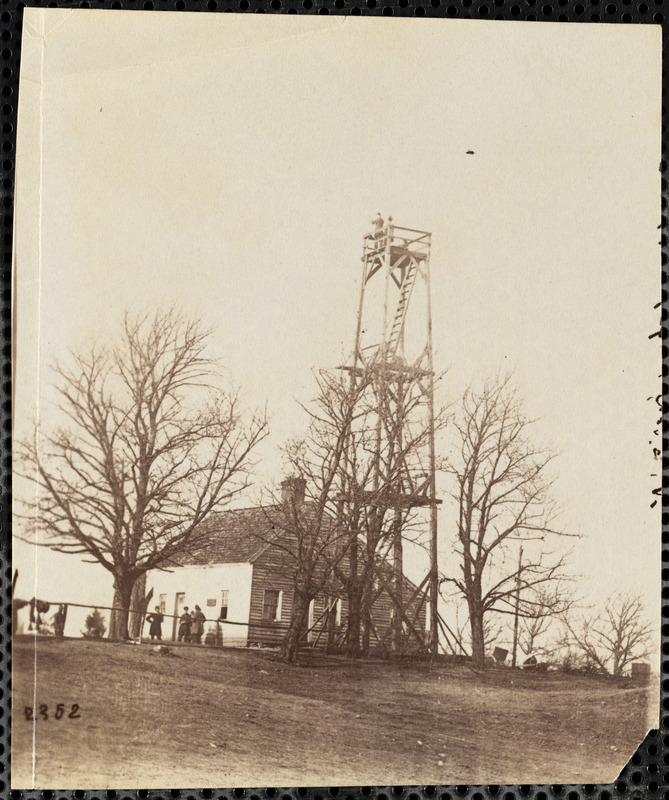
(292, 491)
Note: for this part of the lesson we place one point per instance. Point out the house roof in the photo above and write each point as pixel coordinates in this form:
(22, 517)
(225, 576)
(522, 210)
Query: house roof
(240, 536)
(235, 537)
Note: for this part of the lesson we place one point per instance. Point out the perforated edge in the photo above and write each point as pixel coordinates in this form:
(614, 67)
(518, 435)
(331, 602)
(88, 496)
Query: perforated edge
(647, 773)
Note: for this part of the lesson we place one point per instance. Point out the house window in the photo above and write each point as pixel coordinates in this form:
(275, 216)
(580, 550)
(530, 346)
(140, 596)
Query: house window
(271, 607)
(334, 610)
(337, 611)
(163, 603)
(224, 605)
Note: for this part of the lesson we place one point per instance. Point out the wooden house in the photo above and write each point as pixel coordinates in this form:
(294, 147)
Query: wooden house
(243, 581)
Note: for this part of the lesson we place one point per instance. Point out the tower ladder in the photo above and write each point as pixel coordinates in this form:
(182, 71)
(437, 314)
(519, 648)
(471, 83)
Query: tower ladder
(406, 288)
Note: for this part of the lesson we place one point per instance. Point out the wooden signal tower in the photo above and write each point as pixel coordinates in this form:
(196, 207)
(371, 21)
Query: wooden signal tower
(393, 353)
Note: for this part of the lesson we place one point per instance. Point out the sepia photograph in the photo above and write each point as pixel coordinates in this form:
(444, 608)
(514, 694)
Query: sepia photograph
(337, 401)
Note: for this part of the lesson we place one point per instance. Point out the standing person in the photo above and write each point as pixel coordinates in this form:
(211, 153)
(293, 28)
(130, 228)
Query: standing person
(156, 620)
(198, 625)
(59, 621)
(185, 623)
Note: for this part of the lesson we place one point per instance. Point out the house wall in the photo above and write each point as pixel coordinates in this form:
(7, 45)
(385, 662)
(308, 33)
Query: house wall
(201, 584)
(273, 571)
(382, 614)
(318, 633)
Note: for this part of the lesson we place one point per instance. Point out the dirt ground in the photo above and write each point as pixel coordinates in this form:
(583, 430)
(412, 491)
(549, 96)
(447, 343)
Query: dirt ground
(242, 718)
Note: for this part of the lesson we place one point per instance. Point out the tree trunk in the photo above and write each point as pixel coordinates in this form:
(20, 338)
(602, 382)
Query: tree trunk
(368, 591)
(516, 610)
(118, 624)
(478, 643)
(366, 597)
(366, 618)
(354, 619)
(331, 623)
(137, 605)
(354, 603)
(291, 641)
(398, 581)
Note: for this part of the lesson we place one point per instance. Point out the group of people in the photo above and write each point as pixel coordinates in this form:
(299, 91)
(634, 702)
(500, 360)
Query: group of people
(191, 625)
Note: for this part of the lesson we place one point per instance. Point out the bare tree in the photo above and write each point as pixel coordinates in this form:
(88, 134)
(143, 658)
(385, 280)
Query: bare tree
(340, 539)
(305, 531)
(531, 629)
(502, 493)
(455, 635)
(306, 524)
(616, 636)
(385, 474)
(147, 449)
(457, 638)
(539, 611)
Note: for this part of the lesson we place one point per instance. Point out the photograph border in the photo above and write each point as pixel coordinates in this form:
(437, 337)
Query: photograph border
(647, 773)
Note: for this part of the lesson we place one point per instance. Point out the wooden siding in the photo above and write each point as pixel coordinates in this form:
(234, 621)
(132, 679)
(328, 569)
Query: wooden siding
(273, 570)
(382, 614)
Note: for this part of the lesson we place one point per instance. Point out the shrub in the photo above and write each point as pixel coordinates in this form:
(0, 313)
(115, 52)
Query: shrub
(95, 626)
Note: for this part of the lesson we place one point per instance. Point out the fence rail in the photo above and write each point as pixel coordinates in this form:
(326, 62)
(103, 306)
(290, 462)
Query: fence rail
(63, 606)
(171, 616)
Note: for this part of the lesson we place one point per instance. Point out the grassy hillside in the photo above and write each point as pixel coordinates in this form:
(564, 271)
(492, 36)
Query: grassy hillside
(229, 718)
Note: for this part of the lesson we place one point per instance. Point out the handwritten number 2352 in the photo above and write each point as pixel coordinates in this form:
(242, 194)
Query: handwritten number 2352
(43, 712)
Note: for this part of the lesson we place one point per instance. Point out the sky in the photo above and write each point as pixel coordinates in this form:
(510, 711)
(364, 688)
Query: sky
(231, 165)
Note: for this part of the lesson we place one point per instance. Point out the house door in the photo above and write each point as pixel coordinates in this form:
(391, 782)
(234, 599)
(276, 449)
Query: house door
(178, 611)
